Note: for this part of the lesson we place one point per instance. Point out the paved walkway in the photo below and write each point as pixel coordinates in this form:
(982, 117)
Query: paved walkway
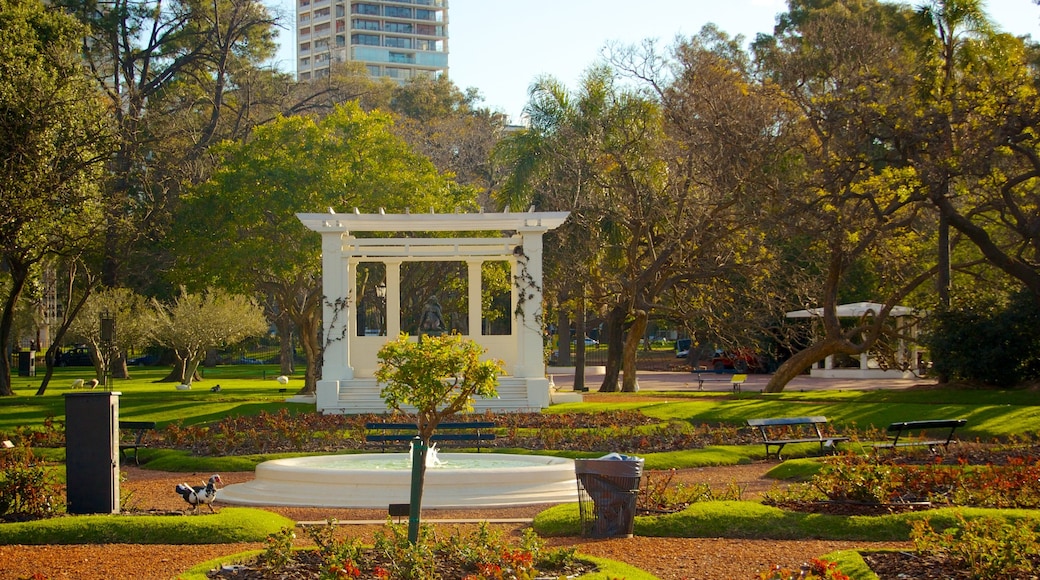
(687, 381)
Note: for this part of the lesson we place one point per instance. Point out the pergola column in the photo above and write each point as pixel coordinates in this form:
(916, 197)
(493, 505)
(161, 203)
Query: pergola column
(336, 276)
(474, 270)
(393, 297)
(528, 287)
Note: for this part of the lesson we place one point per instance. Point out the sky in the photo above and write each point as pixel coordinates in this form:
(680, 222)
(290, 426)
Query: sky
(501, 46)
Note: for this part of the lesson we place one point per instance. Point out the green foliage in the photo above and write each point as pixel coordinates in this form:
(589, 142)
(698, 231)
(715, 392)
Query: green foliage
(814, 569)
(28, 489)
(230, 525)
(278, 552)
(408, 560)
(438, 376)
(990, 548)
(196, 322)
(1015, 483)
(990, 343)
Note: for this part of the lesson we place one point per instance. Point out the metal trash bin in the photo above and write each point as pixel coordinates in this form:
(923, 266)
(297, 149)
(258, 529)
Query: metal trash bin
(607, 492)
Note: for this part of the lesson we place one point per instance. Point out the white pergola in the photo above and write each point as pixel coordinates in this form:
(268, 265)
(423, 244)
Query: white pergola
(868, 367)
(348, 383)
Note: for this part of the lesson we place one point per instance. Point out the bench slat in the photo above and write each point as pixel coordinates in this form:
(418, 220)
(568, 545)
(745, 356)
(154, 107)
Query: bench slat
(766, 425)
(411, 429)
(899, 429)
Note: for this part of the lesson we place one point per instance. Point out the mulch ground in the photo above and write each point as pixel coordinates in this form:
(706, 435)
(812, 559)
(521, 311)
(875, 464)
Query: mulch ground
(666, 558)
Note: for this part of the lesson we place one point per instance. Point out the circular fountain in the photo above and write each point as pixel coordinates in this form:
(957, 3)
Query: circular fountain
(453, 480)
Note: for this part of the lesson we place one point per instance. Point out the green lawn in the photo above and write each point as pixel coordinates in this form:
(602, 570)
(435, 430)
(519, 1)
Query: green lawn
(249, 389)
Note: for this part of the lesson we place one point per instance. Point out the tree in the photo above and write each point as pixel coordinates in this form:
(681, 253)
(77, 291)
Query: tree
(655, 213)
(52, 142)
(975, 144)
(178, 76)
(134, 319)
(847, 67)
(234, 222)
(435, 377)
(196, 322)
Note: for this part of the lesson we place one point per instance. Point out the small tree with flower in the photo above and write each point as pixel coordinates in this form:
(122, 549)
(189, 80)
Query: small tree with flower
(437, 377)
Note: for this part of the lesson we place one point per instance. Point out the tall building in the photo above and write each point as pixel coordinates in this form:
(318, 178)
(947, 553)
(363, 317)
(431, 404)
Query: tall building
(399, 39)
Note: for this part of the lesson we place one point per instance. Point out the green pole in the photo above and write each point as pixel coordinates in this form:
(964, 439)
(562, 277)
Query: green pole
(415, 505)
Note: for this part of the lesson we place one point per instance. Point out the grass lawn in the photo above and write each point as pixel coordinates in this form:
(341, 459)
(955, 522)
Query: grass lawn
(249, 389)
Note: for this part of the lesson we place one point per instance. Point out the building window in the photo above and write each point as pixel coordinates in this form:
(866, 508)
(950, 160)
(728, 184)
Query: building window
(421, 14)
(322, 28)
(398, 27)
(305, 62)
(321, 58)
(305, 32)
(305, 46)
(305, 17)
(322, 13)
(322, 43)
(373, 70)
(366, 39)
(305, 3)
(367, 9)
(305, 76)
(361, 24)
(397, 12)
(340, 12)
(397, 42)
(340, 26)
(341, 40)
(402, 58)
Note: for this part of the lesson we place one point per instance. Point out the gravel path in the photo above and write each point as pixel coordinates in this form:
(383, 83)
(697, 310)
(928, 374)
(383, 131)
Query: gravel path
(667, 558)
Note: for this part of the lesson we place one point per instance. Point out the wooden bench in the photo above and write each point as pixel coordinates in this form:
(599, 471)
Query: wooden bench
(778, 432)
(902, 434)
(139, 428)
(475, 431)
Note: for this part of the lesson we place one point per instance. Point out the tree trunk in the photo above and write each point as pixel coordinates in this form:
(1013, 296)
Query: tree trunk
(178, 374)
(69, 315)
(19, 274)
(631, 353)
(285, 345)
(563, 338)
(802, 361)
(312, 350)
(615, 347)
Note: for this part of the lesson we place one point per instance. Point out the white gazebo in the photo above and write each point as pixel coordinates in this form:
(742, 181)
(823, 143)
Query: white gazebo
(348, 383)
(868, 366)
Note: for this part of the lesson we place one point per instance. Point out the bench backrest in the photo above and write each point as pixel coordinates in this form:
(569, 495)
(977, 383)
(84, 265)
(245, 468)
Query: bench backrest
(137, 425)
(440, 426)
(905, 426)
(785, 421)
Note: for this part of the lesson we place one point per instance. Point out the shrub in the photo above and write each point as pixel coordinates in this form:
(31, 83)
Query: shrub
(989, 343)
(28, 490)
(815, 569)
(991, 549)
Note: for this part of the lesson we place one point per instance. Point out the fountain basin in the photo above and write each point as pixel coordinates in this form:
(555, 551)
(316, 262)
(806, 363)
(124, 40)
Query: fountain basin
(464, 480)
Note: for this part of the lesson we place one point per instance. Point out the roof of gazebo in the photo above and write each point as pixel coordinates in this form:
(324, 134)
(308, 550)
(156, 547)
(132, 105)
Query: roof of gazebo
(432, 222)
(854, 310)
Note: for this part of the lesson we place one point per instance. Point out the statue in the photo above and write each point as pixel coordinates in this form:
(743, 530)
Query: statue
(432, 321)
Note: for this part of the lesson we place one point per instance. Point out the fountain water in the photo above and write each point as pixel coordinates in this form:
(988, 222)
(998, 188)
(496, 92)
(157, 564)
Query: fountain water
(453, 480)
